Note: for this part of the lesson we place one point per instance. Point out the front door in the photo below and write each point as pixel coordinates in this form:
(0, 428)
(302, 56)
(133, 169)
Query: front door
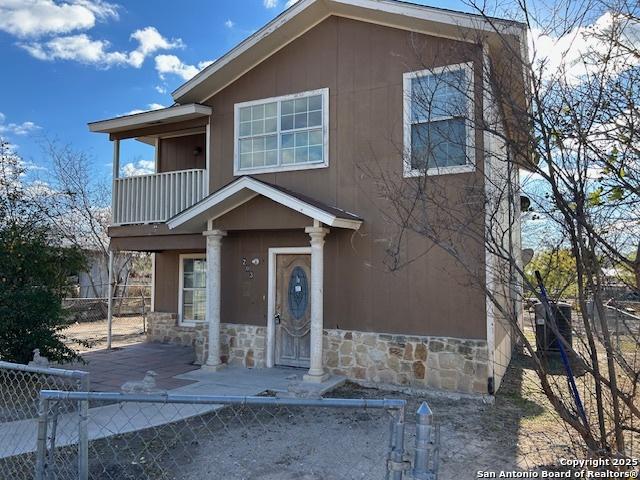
(293, 309)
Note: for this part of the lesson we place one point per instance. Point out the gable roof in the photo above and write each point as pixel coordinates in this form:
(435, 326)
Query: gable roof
(305, 14)
(244, 189)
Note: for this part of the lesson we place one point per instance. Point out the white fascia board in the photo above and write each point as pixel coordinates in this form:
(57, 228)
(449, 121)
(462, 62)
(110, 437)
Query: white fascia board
(274, 194)
(432, 14)
(143, 119)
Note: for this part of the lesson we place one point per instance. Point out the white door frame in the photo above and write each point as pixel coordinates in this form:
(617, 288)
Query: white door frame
(271, 298)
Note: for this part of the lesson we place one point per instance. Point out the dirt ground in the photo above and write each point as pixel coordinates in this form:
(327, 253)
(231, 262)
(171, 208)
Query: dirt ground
(125, 331)
(517, 432)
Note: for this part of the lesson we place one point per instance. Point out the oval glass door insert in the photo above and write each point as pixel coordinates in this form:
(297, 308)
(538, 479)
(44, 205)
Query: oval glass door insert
(298, 293)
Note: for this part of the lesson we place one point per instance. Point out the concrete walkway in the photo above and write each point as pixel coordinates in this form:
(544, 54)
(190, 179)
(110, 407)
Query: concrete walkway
(113, 419)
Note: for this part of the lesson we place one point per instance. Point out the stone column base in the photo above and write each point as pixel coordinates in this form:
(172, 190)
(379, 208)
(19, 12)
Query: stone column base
(213, 368)
(315, 378)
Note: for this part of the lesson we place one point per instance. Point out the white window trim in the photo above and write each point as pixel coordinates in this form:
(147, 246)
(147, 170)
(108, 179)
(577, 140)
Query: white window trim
(282, 168)
(470, 131)
(181, 258)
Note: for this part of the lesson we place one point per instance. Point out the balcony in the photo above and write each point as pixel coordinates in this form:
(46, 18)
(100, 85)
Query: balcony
(157, 197)
(179, 140)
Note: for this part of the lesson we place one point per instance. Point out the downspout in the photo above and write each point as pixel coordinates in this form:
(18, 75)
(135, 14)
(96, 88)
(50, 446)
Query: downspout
(489, 310)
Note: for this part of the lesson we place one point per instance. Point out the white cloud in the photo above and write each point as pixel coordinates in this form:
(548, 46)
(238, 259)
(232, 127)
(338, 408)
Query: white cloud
(161, 89)
(270, 3)
(290, 3)
(580, 51)
(82, 48)
(141, 167)
(171, 64)
(150, 41)
(151, 106)
(31, 18)
(229, 23)
(23, 128)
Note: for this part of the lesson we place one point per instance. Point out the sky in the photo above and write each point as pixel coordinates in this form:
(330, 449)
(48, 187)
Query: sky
(69, 62)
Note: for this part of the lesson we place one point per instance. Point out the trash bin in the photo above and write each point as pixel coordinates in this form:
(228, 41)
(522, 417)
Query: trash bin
(546, 339)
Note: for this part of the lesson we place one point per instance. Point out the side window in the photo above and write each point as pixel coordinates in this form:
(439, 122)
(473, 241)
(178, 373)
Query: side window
(193, 292)
(438, 133)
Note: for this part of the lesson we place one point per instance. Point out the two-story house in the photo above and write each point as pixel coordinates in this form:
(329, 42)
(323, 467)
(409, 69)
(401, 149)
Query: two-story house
(268, 240)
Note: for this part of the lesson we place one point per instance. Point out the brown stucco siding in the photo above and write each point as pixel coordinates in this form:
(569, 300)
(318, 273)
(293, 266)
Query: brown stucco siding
(166, 280)
(177, 153)
(157, 243)
(244, 296)
(362, 65)
(244, 285)
(360, 292)
(261, 213)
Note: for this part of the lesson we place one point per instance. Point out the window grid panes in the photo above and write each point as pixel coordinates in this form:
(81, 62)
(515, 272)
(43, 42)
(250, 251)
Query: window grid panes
(438, 119)
(194, 293)
(281, 133)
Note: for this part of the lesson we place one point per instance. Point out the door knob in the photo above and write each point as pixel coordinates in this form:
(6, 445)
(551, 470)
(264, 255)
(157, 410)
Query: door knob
(277, 318)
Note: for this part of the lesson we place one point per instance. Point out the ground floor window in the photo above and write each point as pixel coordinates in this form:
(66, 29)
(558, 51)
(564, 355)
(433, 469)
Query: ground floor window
(193, 288)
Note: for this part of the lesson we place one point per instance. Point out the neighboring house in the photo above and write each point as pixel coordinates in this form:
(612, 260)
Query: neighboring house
(93, 282)
(268, 242)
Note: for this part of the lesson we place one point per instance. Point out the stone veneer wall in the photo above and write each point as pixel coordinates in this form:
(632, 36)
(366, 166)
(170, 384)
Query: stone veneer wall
(242, 345)
(442, 363)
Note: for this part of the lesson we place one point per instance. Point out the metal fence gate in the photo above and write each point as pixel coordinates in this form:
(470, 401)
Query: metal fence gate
(165, 436)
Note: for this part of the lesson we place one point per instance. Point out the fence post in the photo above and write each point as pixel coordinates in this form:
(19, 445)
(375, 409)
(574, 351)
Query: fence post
(395, 462)
(110, 300)
(144, 314)
(41, 451)
(83, 435)
(424, 426)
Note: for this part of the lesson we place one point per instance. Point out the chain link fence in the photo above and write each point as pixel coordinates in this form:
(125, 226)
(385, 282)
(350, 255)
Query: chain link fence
(90, 327)
(224, 437)
(20, 387)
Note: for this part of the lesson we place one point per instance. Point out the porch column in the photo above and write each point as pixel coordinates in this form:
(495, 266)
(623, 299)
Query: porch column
(214, 244)
(114, 181)
(316, 370)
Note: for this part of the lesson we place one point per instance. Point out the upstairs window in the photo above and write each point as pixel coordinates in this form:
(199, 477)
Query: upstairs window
(283, 133)
(438, 133)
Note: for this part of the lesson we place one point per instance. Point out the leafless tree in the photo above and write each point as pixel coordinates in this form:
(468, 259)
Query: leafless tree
(571, 144)
(80, 202)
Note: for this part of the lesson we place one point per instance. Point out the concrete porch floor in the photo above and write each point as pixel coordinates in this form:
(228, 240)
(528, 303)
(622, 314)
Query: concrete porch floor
(176, 373)
(109, 369)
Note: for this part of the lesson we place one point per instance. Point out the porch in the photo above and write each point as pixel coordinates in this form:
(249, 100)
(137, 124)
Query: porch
(294, 330)
(177, 373)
